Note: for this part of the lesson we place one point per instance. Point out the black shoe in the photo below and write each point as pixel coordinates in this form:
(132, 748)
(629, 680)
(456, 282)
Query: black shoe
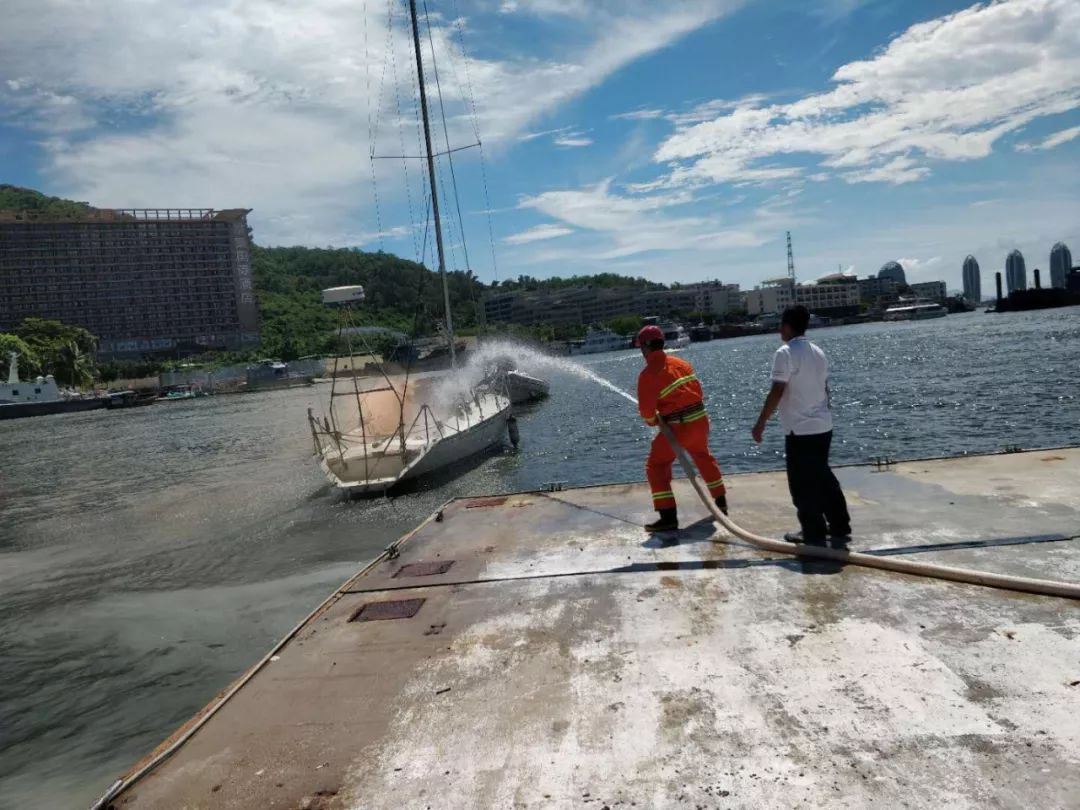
(721, 503)
(840, 535)
(798, 539)
(668, 521)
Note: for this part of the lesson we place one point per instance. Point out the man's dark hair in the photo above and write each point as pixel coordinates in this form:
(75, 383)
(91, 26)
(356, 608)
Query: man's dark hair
(797, 318)
(654, 345)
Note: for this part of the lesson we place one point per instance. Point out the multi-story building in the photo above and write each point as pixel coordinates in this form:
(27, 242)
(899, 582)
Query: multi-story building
(930, 290)
(874, 288)
(712, 298)
(716, 298)
(1015, 271)
(144, 281)
(1060, 265)
(589, 305)
(560, 307)
(972, 280)
(832, 299)
(895, 271)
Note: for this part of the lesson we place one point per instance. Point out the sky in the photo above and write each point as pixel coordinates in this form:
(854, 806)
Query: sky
(678, 140)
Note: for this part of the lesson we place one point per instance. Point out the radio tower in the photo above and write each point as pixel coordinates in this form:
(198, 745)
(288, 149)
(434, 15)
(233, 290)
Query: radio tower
(790, 260)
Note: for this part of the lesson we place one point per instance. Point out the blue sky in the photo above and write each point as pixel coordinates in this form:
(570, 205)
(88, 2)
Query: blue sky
(674, 140)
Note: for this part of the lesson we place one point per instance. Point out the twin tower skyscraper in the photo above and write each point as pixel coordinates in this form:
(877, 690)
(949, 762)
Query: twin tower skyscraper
(1016, 272)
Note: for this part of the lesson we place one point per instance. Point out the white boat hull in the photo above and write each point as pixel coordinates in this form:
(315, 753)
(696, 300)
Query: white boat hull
(917, 316)
(383, 469)
(522, 388)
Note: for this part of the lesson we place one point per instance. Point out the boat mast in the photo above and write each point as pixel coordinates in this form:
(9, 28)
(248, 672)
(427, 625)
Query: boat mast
(431, 180)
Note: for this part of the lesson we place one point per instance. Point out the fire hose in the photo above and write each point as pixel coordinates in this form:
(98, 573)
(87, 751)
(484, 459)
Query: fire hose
(1043, 587)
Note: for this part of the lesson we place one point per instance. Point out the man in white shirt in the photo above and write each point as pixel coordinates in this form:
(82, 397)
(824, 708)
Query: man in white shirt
(800, 388)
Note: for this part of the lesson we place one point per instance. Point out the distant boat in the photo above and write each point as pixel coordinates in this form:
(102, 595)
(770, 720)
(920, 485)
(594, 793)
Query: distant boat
(40, 397)
(675, 336)
(915, 310)
(179, 392)
(700, 333)
(129, 399)
(771, 320)
(599, 340)
(269, 375)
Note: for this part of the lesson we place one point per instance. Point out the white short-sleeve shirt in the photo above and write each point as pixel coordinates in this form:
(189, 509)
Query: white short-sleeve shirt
(804, 408)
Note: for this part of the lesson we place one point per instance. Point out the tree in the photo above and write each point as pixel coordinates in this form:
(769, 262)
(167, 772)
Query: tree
(63, 350)
(72, 366)
(29, 364)
(14, 198)
(625, 324)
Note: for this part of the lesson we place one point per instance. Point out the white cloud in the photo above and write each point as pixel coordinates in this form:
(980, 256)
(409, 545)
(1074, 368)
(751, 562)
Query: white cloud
(919, 265)
(538, 233)
(265, 104)
(532, 136)
(545, 8)
(946, 89)
(1049, 142)
(562, 136)
(897, 171)
(572, 140)
(638, 115)
(832, 10)
(629, 225)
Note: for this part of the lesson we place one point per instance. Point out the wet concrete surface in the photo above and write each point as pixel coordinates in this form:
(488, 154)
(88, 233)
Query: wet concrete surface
(567, 659)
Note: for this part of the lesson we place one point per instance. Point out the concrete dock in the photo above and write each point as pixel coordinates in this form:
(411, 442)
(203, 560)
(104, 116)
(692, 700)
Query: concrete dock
(540, 650)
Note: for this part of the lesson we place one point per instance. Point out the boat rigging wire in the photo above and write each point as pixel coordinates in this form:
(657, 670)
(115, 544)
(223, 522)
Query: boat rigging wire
(446, 137)
(459, 27)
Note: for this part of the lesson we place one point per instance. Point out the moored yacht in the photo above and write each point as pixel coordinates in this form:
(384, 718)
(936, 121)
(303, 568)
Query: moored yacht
(40, 396)
(917, 309)
(599, 340)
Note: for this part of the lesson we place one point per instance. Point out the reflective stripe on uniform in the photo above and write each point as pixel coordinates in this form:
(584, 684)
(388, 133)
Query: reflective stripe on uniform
(693, 417)
(660, 496)
(681, 381)
(713, 484)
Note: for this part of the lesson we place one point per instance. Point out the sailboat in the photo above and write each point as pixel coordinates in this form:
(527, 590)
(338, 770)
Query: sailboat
(406, 427)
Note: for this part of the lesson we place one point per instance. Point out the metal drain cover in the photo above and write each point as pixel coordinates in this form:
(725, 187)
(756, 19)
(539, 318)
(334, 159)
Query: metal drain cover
(423, 569)
(381, 611)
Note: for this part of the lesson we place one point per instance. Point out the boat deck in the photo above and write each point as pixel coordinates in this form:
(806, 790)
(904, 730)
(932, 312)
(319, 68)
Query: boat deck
(540, 650)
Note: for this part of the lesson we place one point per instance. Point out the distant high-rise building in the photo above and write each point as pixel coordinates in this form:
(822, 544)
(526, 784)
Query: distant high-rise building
(1060, 265)
(972, 280)
(1016, 271)
(894, 271)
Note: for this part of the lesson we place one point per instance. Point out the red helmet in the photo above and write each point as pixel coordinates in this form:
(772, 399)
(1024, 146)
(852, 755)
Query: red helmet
(648, 334)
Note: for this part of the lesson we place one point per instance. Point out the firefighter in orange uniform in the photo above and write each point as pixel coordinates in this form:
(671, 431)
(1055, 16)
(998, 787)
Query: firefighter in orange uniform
(668, 386)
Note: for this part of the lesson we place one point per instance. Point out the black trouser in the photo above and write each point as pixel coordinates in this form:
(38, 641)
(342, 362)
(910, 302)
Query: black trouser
(814, 489)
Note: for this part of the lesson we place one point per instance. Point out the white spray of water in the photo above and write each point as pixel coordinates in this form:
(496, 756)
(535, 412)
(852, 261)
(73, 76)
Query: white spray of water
(459, 385)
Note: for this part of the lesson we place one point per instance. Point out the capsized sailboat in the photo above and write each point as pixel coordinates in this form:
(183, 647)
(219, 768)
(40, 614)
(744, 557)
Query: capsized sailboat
(406, 426)
(386, 429)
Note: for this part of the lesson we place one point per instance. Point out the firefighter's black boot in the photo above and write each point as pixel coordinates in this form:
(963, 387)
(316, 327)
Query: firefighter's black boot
(668, 522)
(721, 503)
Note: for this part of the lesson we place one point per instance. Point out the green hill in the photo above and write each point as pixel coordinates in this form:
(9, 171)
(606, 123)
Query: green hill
(26, 199)
(399, 294)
